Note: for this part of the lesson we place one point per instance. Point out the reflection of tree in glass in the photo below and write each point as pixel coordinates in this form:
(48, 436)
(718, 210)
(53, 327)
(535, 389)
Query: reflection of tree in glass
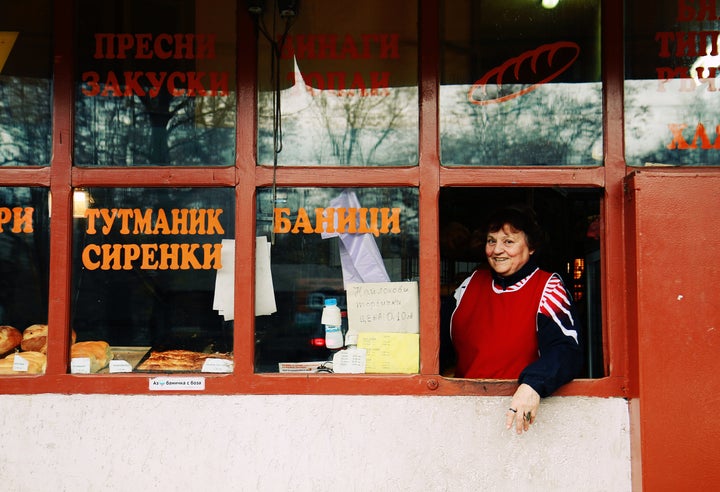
(161, 130)
(557, 124)
(653, 117)
(25, 123)
(342, 127)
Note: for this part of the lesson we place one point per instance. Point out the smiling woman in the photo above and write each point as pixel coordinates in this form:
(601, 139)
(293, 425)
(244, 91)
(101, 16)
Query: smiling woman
(516, 321)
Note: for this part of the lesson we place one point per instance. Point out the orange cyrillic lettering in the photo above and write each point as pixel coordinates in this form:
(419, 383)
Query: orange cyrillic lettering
(148, 257)
(169, 257)
(197, 221)
(212, 256)
(213, 221)
(678, 141)
(390, 223)
(324, 220)
(143, 221)
(86, 260)
(131, 252)
(282, 224)
(111, 256)
(108, 217)
(346, 220)
(302, 223)
(161, 223)
(189, 260)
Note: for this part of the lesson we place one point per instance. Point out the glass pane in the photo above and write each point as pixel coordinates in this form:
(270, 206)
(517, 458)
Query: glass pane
(24, 260)
(520, 83)
(147, 271)
(671, 70)
(309, 266)
(347, 84)
(570, 219)
(25, 83)
(155, 83)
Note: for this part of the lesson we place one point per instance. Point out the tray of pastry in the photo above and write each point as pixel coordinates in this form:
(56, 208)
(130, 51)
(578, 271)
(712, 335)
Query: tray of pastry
(178, 360)
(131, 355)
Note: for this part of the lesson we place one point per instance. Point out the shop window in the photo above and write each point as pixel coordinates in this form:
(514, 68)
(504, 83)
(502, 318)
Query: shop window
(325, 243)
(24, 261)
(155, 83)
(570, 220)
(148, 268)
(25, 83)
(671, 78)
(338, 86)
(520, 83)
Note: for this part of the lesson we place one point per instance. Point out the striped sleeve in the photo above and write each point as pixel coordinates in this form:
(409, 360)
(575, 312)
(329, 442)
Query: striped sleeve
(556, 305)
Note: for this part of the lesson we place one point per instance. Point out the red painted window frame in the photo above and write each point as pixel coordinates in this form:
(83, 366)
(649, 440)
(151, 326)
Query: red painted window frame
(429, 176)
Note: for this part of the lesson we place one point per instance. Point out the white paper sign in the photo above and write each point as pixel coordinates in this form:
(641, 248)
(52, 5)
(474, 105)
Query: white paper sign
(224, 299)
(80, 365)
(167, 383)
(350, 361)
(212, 364)
(390, 307)
(117, 366)
(20, 364)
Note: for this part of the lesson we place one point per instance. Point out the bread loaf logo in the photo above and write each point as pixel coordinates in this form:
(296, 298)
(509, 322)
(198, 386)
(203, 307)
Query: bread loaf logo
(539, 66)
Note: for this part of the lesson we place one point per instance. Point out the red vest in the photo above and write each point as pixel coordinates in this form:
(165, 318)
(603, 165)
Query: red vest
(495, 333)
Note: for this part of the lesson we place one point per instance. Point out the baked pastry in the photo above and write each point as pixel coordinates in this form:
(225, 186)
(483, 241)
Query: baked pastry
(10, 338)
(98, 352)
(178, 360)
(34, 338)
(36, 363)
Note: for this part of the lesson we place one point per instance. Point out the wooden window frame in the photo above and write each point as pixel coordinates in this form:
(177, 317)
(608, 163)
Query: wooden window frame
(246, 177)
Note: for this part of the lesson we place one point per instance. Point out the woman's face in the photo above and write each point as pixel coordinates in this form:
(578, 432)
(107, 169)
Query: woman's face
(507, 250)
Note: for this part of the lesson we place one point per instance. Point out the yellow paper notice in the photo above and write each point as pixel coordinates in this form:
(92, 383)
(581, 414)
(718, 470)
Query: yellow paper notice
(391, 352)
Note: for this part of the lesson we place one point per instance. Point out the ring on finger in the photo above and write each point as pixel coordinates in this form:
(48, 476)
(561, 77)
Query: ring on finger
(512, 410)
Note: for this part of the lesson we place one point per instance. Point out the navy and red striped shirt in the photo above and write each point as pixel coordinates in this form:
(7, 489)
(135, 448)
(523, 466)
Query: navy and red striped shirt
(522, 326)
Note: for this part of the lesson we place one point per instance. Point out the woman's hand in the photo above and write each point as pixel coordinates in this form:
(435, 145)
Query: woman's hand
(523, 408)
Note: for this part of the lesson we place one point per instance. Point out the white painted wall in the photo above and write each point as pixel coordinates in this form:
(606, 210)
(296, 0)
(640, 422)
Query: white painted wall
(308, 443)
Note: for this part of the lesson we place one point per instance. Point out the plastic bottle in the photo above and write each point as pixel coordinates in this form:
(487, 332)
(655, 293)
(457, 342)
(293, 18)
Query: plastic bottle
(332, 319)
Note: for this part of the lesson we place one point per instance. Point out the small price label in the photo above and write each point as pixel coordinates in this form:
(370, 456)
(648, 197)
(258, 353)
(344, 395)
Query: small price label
(119, 366)
(217, 365)
(80, 365)
(20, 364)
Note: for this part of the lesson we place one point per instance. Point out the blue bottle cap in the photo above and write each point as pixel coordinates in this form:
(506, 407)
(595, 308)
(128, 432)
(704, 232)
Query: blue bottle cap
(331, 302)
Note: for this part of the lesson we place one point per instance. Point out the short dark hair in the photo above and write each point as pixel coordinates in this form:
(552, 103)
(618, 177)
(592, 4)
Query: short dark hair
(521, 218)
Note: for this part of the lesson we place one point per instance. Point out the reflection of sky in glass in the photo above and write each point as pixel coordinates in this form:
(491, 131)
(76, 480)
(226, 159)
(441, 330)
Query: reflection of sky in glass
(554, 125)
(342, 127)
(652, 106)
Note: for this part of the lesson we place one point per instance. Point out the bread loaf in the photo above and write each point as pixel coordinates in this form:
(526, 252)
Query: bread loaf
(34, 338)
(98, 352)
(10, 338)
(36, 363)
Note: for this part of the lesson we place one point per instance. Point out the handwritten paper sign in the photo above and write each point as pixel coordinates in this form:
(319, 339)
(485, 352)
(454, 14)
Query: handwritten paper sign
(390, 307)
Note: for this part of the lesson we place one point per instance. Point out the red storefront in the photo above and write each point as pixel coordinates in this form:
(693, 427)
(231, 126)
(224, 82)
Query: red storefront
(158, 162)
